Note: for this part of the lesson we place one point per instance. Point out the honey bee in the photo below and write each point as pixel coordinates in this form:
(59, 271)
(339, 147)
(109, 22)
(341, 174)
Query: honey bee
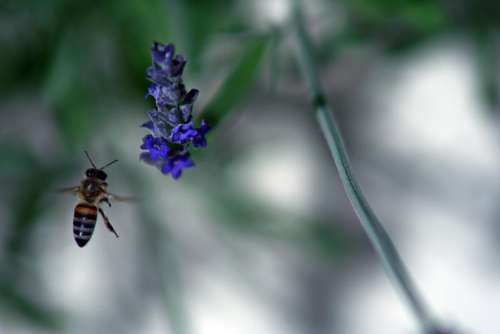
(92, 192)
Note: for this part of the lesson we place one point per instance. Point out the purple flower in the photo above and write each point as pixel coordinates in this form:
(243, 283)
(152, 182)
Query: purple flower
(157, 123)
(186, 133)
(166, 65)
(157, 147)
(169, 94)
(170, 123)
(175, 165)
(161, 52)
(183, 133)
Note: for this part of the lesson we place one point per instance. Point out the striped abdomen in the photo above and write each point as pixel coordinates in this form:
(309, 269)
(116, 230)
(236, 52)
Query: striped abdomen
(84, 221)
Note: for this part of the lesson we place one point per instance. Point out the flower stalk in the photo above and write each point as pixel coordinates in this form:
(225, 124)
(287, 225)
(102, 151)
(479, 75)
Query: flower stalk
(171, 123)
(391, 260)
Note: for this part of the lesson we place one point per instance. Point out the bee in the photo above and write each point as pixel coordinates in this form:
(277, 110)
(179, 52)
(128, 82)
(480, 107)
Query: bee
(92, 192)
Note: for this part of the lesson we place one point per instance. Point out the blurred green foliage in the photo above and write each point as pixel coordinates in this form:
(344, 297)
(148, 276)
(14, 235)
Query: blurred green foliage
(159, 246)
(18, 305)
(30, 181)
(86, 60)
(238, 82)
(414, 18)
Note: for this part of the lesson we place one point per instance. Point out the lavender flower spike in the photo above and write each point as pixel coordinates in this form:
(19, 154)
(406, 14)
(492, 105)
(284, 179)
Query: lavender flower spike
(171, 124)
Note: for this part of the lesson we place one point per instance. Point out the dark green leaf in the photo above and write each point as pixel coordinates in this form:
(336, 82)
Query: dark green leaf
(238, 82)
(22, 307)
(16, 159)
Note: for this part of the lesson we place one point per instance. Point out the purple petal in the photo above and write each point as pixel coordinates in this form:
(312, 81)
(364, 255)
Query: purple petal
(204, 126)
(187, 163)
(154, 91)
(191, 96)
(161, 52)
(178, 64)
(148, 125)
(148, 142)
(172, 116)
(164, 149)
(154, 154)
(166, 167)
(144, 156)
(176, 172)
(200, 141)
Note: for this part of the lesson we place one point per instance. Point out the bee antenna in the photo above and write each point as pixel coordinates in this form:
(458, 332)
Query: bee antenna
(90, 159)
(108, 164)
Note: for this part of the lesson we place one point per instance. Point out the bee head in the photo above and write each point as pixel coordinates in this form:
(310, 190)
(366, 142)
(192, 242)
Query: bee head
(97, 173)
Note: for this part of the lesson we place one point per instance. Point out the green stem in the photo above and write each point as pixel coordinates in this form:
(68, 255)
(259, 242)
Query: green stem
(393, 265)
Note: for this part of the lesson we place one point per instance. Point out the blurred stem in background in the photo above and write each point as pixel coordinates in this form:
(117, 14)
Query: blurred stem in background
(160, 247)
(376, 233)
(487, 61)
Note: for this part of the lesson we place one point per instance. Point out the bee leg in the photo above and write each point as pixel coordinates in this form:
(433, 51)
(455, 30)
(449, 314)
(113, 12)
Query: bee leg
(107, 222)
(106, 200)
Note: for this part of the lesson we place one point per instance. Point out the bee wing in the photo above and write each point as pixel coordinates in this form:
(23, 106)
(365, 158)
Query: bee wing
(67, 190)
(119, 198)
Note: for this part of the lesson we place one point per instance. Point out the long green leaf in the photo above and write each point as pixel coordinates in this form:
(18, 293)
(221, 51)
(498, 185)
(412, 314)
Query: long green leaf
(238, 82)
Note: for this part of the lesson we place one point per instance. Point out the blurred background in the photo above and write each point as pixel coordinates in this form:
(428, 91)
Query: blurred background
(259, 237)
